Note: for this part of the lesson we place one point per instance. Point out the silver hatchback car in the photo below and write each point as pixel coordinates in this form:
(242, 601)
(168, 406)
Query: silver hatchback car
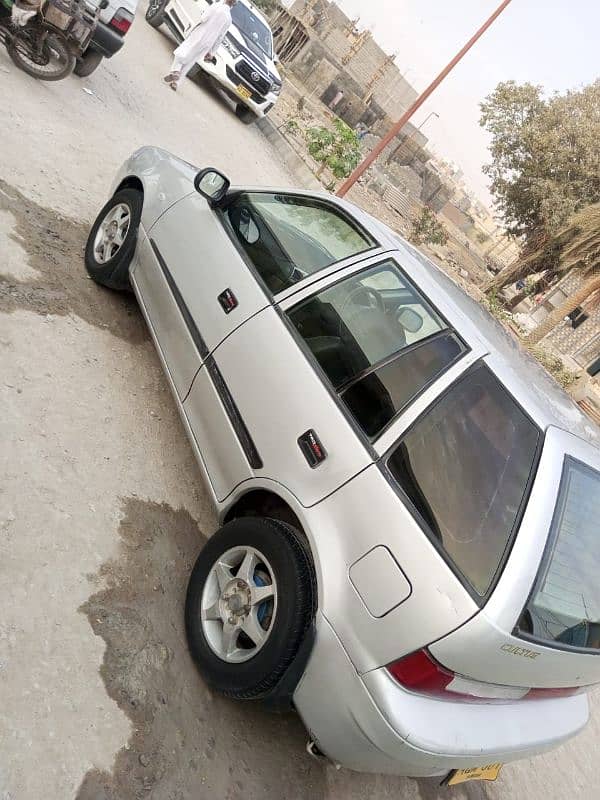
(409, 550)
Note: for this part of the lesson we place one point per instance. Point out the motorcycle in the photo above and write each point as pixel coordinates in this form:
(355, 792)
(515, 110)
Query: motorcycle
(45, 40)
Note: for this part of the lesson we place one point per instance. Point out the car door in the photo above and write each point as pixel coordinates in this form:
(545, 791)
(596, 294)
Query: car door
(195, 286)
(253, 385)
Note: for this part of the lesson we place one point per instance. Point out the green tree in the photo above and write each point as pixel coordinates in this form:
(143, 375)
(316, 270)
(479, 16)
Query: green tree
(545, 156)
(577, 248)
(428, 230)
(337, 148)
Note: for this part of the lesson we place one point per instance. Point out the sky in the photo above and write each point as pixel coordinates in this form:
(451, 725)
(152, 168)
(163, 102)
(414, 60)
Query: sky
(553, 43)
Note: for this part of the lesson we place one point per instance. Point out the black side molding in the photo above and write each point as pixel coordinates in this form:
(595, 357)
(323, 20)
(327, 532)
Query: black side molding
(234, 415)
(214, 372)
(185, 312)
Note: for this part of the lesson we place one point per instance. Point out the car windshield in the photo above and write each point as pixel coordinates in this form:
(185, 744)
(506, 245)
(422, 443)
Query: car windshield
(565, 605)
(288, 237)
(255, 31)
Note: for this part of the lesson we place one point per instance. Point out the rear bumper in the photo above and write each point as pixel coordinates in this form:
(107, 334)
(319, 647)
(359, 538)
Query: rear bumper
(106, 40)
(368, 723)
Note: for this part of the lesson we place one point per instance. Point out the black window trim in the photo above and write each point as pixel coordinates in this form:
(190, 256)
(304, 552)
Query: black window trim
(272, 296)
(384, 362)
(542, 570)
(480, 600)
(385, 257)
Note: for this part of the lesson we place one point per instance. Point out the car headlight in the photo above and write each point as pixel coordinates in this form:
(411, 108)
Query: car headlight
(231, 48)
(276, 88)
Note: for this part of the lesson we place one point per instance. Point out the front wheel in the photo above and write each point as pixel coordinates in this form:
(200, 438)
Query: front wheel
(250, 601)
(155, 13)
(244, 113)
(41, 53)
(111, 244)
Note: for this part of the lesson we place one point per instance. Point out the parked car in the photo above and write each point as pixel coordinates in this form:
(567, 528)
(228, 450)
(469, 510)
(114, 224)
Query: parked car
(409, 504)
(115, 21)
(245, 64)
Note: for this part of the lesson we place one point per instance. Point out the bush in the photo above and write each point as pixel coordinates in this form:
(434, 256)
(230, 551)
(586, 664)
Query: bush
(555, 367)
(427, 229)
(337, 148)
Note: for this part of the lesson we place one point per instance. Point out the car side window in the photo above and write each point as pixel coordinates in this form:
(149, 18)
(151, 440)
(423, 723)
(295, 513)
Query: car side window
(378, 340)
(288, 237)
(465, 467)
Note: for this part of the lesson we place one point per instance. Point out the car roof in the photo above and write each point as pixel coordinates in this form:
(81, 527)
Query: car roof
(541, 397)
(546, 402)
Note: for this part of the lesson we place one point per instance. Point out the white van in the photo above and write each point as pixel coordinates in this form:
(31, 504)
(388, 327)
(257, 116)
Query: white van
(245, 63)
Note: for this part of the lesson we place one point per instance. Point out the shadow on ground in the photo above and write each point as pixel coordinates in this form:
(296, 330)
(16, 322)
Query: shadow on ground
(54, 245)
(187, 742)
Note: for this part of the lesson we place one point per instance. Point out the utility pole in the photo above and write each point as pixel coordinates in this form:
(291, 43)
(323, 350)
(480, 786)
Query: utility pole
(411, 136)
(397, 127)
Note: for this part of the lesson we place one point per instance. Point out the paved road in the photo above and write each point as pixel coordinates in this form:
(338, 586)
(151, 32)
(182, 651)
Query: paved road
(102, 510)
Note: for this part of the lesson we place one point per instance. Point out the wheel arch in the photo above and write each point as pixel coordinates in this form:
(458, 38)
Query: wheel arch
(130, 182)
(261, 501)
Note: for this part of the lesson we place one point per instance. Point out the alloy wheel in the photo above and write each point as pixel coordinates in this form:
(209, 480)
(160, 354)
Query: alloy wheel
(112, 233)
(239, 604)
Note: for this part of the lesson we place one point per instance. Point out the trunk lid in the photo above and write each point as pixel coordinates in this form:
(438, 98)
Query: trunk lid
(540, 627)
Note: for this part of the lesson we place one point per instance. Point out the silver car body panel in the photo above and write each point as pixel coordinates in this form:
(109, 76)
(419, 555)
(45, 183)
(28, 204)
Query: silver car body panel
(368, 723)
(485, 648)
(347, 506)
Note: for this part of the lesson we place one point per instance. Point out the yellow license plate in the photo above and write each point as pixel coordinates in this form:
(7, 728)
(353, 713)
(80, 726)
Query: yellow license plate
(244, 92)
(487, 773)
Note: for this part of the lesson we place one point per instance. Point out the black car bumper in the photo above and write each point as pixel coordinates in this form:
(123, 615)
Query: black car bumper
(106, 40)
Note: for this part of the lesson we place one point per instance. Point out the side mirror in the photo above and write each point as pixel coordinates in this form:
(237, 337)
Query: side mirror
(275, 59)
(103, 5)
(409, 320)
(213, 185)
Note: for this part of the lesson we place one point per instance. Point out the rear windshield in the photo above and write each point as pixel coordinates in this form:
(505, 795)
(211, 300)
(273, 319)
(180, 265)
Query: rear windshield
(565, 604)
(465, 465)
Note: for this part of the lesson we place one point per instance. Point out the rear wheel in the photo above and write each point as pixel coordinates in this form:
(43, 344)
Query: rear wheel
(155, 13)
(111, 244)
(250, 600)
(42, 54)
(246, 115)
(88, 63)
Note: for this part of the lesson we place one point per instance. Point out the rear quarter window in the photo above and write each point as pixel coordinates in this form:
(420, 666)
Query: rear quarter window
(465, 466)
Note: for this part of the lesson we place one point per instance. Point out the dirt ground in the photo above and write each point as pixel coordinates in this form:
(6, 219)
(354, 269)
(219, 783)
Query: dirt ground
(102, 510)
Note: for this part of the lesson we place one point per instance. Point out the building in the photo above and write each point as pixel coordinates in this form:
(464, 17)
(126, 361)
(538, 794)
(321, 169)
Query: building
(331, 56)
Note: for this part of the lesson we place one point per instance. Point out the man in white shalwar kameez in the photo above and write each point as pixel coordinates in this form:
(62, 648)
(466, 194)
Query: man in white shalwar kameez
(203, 41)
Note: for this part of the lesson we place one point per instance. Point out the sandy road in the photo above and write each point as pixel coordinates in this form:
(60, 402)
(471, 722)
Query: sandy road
(102, 510)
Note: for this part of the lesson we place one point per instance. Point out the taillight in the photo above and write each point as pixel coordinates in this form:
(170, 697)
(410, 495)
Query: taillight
(419, 672)
(122, 20)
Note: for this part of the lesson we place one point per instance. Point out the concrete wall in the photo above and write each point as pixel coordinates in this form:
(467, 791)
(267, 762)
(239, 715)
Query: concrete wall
(583, 342)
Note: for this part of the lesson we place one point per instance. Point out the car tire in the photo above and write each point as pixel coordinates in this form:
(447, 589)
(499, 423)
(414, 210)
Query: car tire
(245, 114)
(283, 561)
(88, 63)
(155, 13)
(107, 261)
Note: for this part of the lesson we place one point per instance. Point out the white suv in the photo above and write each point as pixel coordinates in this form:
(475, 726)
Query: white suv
(245, 63)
